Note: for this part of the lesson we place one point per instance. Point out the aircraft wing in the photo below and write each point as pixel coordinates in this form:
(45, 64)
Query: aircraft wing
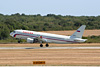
(40, 38)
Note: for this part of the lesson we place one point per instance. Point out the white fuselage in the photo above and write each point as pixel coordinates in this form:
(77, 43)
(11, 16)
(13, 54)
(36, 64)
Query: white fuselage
(46, 37)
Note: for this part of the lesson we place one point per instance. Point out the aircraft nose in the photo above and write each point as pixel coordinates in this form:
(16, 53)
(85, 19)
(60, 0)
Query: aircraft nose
(11, 34)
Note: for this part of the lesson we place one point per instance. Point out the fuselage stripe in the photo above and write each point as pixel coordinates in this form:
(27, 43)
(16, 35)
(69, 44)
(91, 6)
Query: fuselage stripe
(46, 38)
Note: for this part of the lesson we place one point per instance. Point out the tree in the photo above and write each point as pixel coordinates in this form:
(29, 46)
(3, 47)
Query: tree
(4, 33)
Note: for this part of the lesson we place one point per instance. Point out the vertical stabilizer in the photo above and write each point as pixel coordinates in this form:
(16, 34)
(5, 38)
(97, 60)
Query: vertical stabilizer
(79, 32)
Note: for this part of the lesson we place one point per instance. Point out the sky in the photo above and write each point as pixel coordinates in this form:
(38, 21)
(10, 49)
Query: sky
(44, 7)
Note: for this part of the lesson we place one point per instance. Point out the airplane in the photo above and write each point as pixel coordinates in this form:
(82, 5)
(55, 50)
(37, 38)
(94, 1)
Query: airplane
(34, 37)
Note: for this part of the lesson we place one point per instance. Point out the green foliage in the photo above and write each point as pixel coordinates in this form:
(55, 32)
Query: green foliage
(4, 32)
(92, 39)
(9, 40)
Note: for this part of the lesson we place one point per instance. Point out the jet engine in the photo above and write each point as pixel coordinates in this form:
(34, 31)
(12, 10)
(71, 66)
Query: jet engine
(30, 40)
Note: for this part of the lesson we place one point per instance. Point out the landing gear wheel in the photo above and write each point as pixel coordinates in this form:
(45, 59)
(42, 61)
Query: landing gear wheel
(46, 45)
(41, 45)
(19, 41)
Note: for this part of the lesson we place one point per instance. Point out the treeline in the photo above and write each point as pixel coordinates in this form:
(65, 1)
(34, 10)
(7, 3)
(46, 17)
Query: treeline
(50, 22)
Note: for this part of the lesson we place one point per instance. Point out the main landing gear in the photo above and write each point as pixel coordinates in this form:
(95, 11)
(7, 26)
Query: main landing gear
(47, 45)
(41, 45)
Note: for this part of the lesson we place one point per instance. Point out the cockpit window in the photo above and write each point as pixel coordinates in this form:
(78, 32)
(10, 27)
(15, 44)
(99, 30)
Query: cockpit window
(13, 31)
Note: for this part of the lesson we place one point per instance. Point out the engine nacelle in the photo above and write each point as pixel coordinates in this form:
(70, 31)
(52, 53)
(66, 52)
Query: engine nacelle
(30, 40)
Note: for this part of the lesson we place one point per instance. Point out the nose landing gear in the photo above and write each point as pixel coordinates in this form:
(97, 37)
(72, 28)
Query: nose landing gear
(19, 40)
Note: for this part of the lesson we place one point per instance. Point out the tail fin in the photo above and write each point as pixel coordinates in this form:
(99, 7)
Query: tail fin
(79, 32)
